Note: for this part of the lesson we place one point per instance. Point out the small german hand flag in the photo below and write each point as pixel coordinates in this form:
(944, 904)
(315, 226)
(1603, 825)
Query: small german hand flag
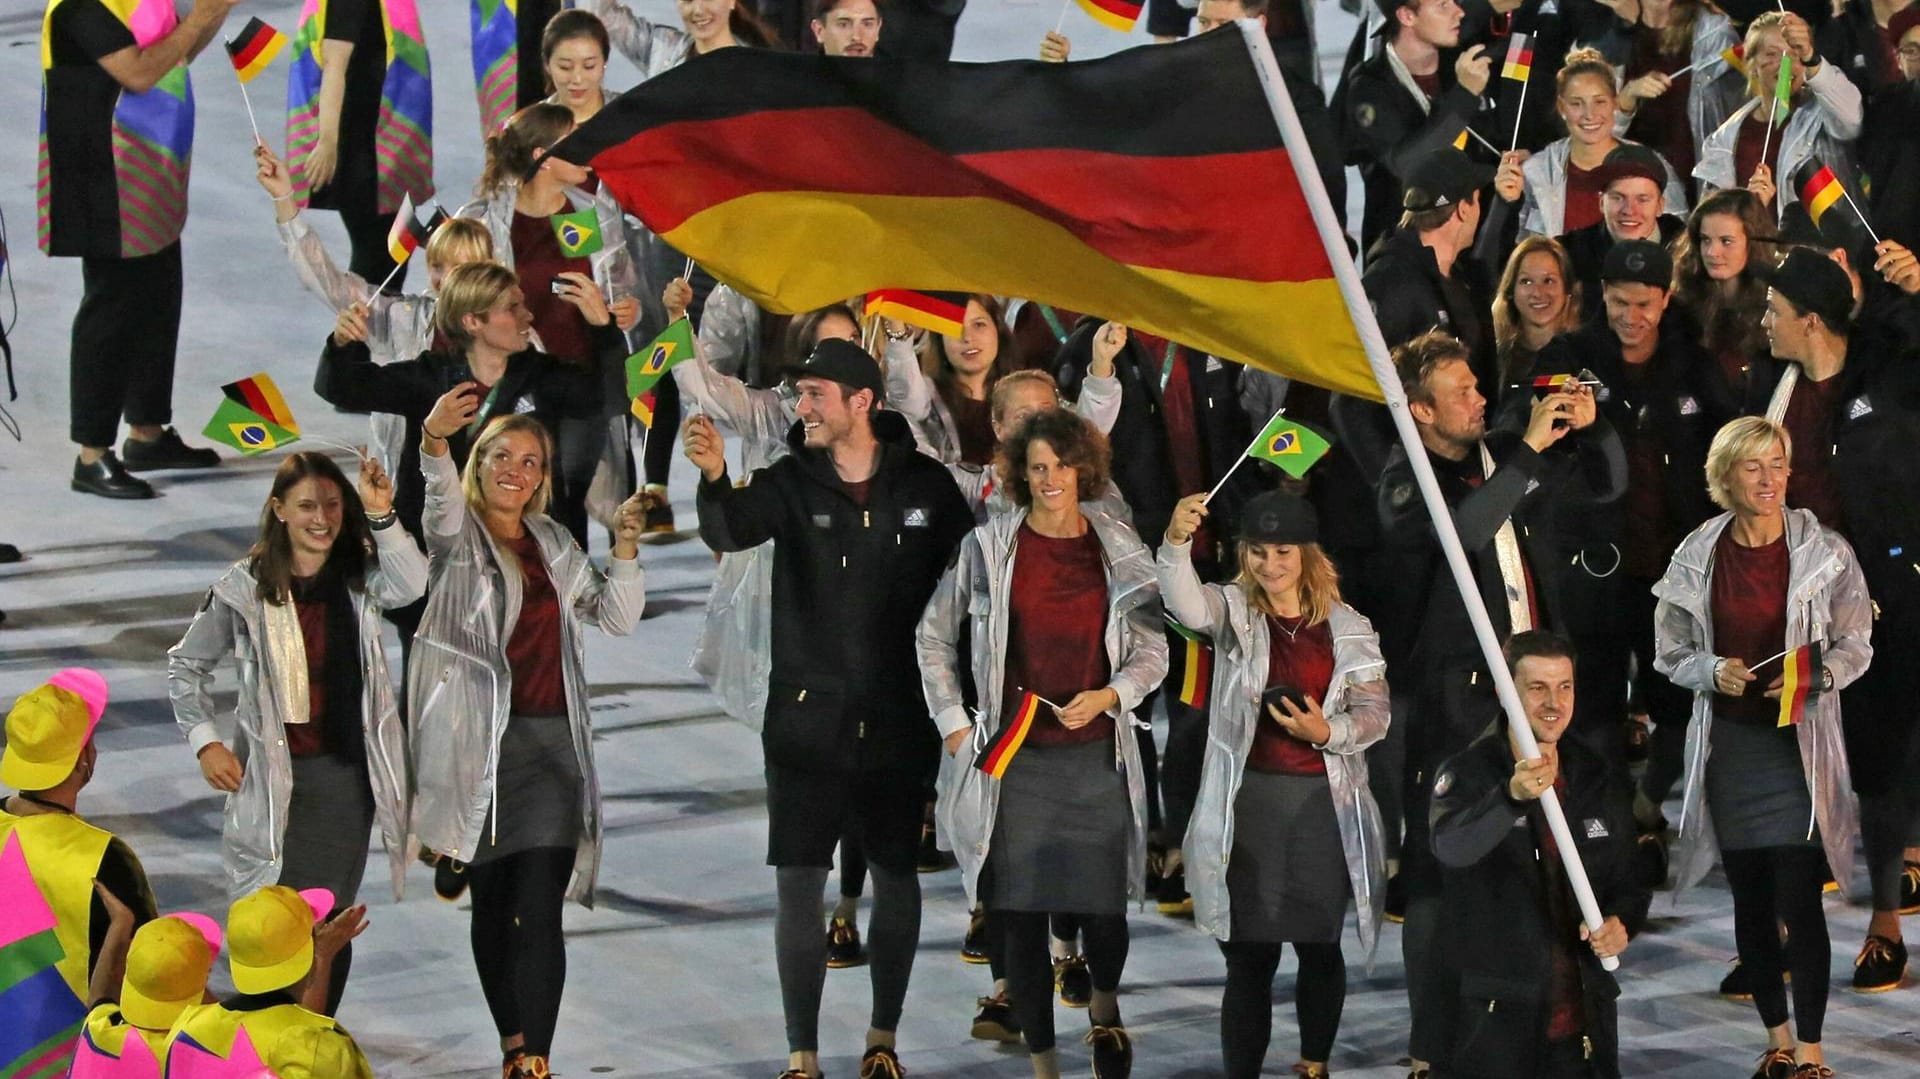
(1736, 57)
(1115, 14)
(254, 48)
(1519, 63)
(407, 233)
(1196, 668)
(1819, 192)
(944, 313)
(261, 396)
(1801, 679)
(1012, 736)
(642, 409)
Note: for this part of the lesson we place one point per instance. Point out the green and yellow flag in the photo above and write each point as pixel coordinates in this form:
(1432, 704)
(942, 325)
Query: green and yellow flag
(1293, 446)
(578, 232)
(648, 366)
(245, 430)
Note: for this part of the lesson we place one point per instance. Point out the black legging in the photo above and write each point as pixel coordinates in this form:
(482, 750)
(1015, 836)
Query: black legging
(1774, 887)
(517, 944)
(853, 865)
(1246, 1008)
(1029, 966)
(800, 947)
(664, 432)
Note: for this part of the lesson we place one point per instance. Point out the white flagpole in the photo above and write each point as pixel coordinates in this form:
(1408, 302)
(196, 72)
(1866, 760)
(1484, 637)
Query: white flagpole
(1242, 459)
(1858, 214)
(1062, 20)
(1520, 110)
(1396, 395)
(244, 96)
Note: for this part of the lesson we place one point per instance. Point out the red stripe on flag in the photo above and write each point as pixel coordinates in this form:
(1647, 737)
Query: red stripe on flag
(1000, 754)
(245, 52)
(1132, 209)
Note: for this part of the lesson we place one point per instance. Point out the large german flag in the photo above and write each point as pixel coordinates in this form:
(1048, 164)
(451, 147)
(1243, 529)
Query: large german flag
(801, 180)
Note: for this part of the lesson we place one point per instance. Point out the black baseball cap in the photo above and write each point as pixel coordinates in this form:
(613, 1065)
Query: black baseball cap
(1443, 178)
(1628, 160)
(1279, 517)
(838, 360)
(1814, 283)
(1640, 261)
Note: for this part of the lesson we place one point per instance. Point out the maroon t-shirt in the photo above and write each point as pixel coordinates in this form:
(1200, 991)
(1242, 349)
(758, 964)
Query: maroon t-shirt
(1056, 632)
(1583, 197)
(1746, 149)
(533, 648)
(857, 491)
(1304, 663)
(1749, 604)
(309, 739)
(973, 420)
(1429, 84)
(537, 260)
(1566, 1005)
(1809, 420)
(1662, 122)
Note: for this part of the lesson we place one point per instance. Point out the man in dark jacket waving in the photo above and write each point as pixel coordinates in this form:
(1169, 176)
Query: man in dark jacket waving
(1538, 1003)
(862, 527)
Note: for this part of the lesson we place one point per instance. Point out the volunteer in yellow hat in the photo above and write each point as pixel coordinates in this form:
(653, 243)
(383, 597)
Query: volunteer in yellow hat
(50, 858)
(279, 952)
(167, 963)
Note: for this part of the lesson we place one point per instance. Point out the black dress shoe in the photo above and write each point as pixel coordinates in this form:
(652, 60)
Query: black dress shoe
(167, 451)
(10, 553)
(108, 479)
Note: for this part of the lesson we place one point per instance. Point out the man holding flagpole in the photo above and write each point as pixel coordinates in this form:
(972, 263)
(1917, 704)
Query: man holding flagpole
(1501, 493)
(117, 126)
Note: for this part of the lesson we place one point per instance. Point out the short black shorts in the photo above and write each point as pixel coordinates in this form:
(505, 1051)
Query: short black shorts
(808, 811)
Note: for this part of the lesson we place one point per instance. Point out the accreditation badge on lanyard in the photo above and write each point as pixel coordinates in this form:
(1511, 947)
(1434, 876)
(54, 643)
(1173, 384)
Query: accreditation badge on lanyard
(486, 408)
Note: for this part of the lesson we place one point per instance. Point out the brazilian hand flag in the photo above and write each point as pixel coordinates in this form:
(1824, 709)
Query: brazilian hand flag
(1293, 446)
(578, 232)
(236, 425)
(648, 366)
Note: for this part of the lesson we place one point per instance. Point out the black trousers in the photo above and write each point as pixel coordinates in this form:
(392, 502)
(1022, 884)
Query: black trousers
(1774, 887)
(1023, 939)
(125, 335)
(664, 432)
(367, 230)
(518, 947)
(1246, 1006)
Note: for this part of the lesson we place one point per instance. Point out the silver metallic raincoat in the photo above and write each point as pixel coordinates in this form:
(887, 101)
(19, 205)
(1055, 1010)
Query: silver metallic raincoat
(1827, 602)
(1822, 128)
(233, 623)
(974, 593)
(614, 267)
(1357, 710)
(1543, 205)
(460, 688)
(912, 392)
(653, 47)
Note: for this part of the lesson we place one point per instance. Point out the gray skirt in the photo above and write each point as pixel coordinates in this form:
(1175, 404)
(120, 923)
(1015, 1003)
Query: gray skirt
(328, 817)
(538, 794)
(1287, 875)
(1756, 787)
(1060, 836)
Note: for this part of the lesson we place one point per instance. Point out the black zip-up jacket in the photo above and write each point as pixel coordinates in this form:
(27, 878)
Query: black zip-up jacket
(534, 383)
(1587, 249)
(1410, 297)
(1674, 407)
(1494, 889)
(849, 585)
(1875, 429)
(1890, 153)
(1386, 133)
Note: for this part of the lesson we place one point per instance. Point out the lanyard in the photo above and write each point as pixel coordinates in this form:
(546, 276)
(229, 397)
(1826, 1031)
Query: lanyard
(1166, 366)
(486, 408)
(1053, 323)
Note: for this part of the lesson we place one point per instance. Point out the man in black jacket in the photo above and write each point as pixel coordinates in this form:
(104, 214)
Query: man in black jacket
(1632, 207)
(1853, 410)
(1524, 994)
(862, 526)
(1399, 105)
(1653, 392)
(1501, 491)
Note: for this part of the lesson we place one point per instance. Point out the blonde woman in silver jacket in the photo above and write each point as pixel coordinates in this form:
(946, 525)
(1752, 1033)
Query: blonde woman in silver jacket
(1043, 798)
(314, 753)
(1826, 116)
(502, 745)
(1285, 830)
(1743, 593)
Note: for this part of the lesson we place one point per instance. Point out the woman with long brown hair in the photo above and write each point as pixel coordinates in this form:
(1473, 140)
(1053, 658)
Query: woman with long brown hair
(947, 388)
(1731, 240)
(1538, 300)
(1285, 833)
(502, 742)
(318, 753)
